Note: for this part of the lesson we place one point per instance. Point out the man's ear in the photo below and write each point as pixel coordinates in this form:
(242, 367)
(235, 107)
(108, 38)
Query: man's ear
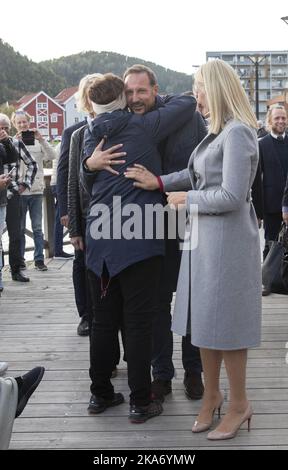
(156, 89)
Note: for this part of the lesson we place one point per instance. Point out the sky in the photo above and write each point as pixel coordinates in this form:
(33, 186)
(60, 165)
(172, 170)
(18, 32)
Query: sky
(173, 33)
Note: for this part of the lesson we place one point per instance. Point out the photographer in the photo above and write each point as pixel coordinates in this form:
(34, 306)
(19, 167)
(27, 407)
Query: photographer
(8, 154)
(15, 188)
(32, 200)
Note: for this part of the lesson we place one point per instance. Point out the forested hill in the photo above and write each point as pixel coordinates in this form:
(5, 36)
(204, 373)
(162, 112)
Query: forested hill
(19, 75)
(74, 67)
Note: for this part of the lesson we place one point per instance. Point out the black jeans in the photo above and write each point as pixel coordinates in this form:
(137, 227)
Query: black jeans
(131, 301)
(13, 221)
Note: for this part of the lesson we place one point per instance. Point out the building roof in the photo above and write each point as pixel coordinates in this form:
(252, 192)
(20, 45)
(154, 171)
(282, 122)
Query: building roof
(27, 99)
(66, 94)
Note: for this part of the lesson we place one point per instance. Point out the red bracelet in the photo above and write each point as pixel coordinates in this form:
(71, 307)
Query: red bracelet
(161, 187)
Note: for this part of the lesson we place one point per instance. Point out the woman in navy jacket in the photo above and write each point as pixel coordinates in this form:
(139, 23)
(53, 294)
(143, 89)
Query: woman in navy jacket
(124, 268)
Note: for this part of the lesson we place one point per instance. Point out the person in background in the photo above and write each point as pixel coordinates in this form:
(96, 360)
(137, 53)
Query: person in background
(8, 154)
(274, 165)
(59, 253)
(218, 297)
(16, 187)
(261, 131)
(32, 199)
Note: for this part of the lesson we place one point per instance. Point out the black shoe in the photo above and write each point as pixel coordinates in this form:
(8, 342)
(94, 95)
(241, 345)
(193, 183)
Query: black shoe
(40, 266)
(140, 414)
(26, 386)
(265, 291)
(23, 266)
(160, 388)
(63, 255)
(98, 404)
(19, 277)
(193, 385)
(83, 327)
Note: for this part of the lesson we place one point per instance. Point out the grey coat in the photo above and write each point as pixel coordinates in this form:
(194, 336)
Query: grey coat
(222, 275)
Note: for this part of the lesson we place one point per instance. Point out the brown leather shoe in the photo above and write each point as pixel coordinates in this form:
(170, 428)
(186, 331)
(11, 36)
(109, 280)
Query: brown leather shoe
(193, 385)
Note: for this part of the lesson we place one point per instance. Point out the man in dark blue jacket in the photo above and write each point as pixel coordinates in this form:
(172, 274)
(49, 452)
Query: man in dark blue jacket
(140, 83)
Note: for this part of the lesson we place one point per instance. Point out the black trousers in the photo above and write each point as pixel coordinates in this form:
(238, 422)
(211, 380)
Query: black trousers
(272, 225)
(13, 221)
(131, 302)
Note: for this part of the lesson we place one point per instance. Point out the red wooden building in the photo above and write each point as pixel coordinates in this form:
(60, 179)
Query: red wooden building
(46, 114)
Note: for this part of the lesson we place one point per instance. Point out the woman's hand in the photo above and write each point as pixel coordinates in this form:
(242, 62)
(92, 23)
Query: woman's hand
(177, 200)
(103, 159)
(144, 179)
(4, 181)
(38, 135)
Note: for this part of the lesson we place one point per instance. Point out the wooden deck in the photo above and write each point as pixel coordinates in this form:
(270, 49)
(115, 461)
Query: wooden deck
(38, 327)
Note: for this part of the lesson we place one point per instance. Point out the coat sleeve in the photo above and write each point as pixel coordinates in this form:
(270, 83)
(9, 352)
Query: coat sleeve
(74, 205)
(10, 153)
(177, 181)
(239, 150)
(164, 120)
(48, 151)
(62, 173)
(257, 193)
(285, 195)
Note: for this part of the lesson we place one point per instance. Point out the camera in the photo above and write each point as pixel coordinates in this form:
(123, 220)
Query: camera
(28, 137)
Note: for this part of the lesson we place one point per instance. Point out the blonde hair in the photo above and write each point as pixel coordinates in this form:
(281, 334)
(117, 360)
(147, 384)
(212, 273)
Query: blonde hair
(20, 112)
(225, 95)
(82, 99)
(269, 115)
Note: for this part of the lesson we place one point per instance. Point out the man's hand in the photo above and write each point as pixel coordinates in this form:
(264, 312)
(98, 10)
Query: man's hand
(64, 220)
(4, 181)
(177, 200)
(103, 159)
(144, 179)
(78, 243)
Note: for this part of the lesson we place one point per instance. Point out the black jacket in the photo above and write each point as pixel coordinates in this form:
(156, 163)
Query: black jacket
(78, 198)
(8, 154)
(274, 178)
(63, 168)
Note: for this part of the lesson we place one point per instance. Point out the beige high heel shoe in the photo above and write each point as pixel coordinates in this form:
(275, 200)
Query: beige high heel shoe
(218, 435)
(201, 427)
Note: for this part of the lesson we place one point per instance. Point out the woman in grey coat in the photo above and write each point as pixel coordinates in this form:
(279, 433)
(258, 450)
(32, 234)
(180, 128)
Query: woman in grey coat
(218, 295)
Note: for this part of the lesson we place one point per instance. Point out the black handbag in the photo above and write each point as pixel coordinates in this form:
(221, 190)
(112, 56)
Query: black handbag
(275, 266)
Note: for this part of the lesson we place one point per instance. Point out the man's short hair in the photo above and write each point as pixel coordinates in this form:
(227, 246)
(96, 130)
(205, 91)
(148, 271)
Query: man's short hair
(139, 68)
(106, 89)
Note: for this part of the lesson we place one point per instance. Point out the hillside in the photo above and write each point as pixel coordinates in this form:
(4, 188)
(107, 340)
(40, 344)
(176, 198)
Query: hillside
(20, 75)
(74, 67)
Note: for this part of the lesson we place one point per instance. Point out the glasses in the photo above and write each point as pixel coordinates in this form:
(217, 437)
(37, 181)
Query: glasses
(4, 128)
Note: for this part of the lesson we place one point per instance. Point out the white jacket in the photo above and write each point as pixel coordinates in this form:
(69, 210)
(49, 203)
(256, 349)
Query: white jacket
(40, 152)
